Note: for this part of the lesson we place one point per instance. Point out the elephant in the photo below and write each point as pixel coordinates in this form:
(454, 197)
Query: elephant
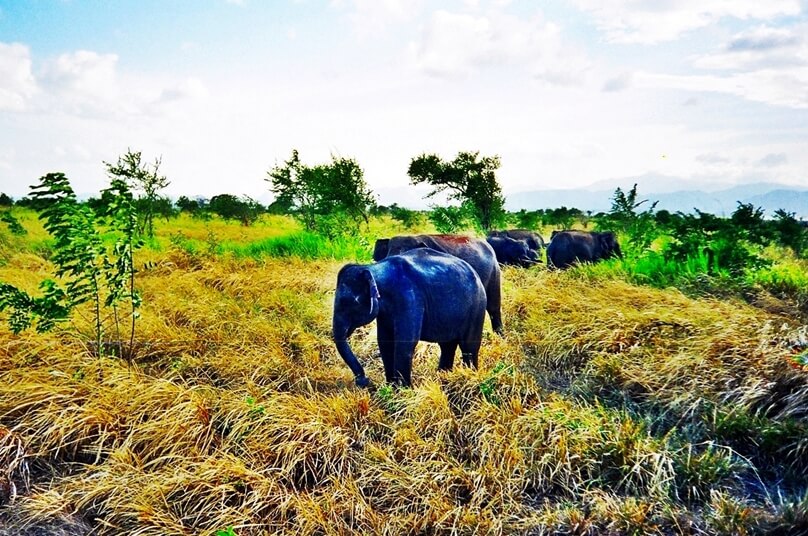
(513, 252)
(533, 239)
(420, 294)
(569, 247)
(478, 253)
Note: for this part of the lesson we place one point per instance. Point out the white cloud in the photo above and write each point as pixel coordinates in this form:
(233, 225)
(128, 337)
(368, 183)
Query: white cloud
(780, 88)
(712, 159)
(456, 44)
(190, 88)
(773, 160)
(762, 64)
(654, 21)
(83, 82)
(86, 83)
(762, 47)
(372, 17)
(17, 83)
(618, 83)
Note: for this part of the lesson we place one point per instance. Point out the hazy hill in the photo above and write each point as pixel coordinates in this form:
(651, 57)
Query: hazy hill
(770, 196)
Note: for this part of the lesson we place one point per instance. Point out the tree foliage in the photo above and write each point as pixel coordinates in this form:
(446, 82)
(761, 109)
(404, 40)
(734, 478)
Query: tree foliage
(230, 207)
(468, 178)
(328, 198)
(143, 177)
(636, 227)
(409, 219)
(85, 269)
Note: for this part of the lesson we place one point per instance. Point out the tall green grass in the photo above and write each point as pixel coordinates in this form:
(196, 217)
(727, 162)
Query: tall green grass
(303, 245)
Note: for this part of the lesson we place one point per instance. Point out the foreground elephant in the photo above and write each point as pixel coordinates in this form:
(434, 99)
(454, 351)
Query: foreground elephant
(419, 295)
(513, 252)
(533, 239)
(478, 253)
(570, 247)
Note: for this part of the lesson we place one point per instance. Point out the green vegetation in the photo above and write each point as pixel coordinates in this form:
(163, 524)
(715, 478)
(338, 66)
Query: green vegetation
(87, 271)
(330, 199)
(468, 178)
(139, 176)
(663, 393)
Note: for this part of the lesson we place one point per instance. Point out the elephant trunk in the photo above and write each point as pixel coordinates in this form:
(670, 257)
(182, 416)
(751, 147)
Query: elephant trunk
(344, 349)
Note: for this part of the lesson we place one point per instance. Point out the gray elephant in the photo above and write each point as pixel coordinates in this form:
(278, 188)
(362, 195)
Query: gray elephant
(533, 239)
(478, 253)
(513, 252)
(421, 294)
(569, 247)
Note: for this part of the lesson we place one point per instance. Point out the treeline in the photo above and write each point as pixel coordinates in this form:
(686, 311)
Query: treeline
(332, 199)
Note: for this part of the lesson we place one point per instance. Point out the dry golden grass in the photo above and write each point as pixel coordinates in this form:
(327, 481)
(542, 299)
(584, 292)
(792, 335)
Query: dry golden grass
(605, 409)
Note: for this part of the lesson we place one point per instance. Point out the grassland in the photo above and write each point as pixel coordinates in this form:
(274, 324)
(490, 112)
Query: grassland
(607, 407)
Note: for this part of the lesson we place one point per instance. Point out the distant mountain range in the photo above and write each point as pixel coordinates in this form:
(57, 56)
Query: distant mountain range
(722, 202)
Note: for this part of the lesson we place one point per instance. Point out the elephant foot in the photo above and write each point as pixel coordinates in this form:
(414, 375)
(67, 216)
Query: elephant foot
(363, 382)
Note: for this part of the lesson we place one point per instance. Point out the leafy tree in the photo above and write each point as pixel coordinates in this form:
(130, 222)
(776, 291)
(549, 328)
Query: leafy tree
(724, 243)
(561, 217)
(528, 219)
(468, 178)
(280, 206)
(5, 200)
(328, 198)
(408, 218)
(230, 207)
(749, 220)
(33, 203)
(159, 206)
(789, 232)
(145, 178)
(637, 227)
(184, 204)
(451, 219)
(87, 270)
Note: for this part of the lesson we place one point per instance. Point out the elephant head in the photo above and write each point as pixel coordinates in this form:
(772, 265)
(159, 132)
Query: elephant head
(356, 303)
(609, 246)
(380, 249)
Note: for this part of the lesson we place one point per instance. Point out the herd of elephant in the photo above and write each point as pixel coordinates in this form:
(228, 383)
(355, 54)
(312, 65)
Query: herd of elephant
(437, 288)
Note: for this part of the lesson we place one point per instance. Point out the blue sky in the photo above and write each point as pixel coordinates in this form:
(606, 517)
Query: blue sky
(688, 92)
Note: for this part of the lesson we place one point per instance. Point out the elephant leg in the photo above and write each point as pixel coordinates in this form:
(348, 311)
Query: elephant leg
(403, 362)
(470, 344)
(494, 303)
(447, 355)
(407, 331)
(384, 332)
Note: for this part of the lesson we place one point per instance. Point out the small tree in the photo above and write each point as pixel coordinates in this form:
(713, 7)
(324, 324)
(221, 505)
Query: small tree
(86, 269)
(468, 178)
(637, 227)
(328, 198)
(228, 206)
(5, 200)
(525, 219)
(184, 204)
(409, 219)
(789, 232)
(144, 178)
